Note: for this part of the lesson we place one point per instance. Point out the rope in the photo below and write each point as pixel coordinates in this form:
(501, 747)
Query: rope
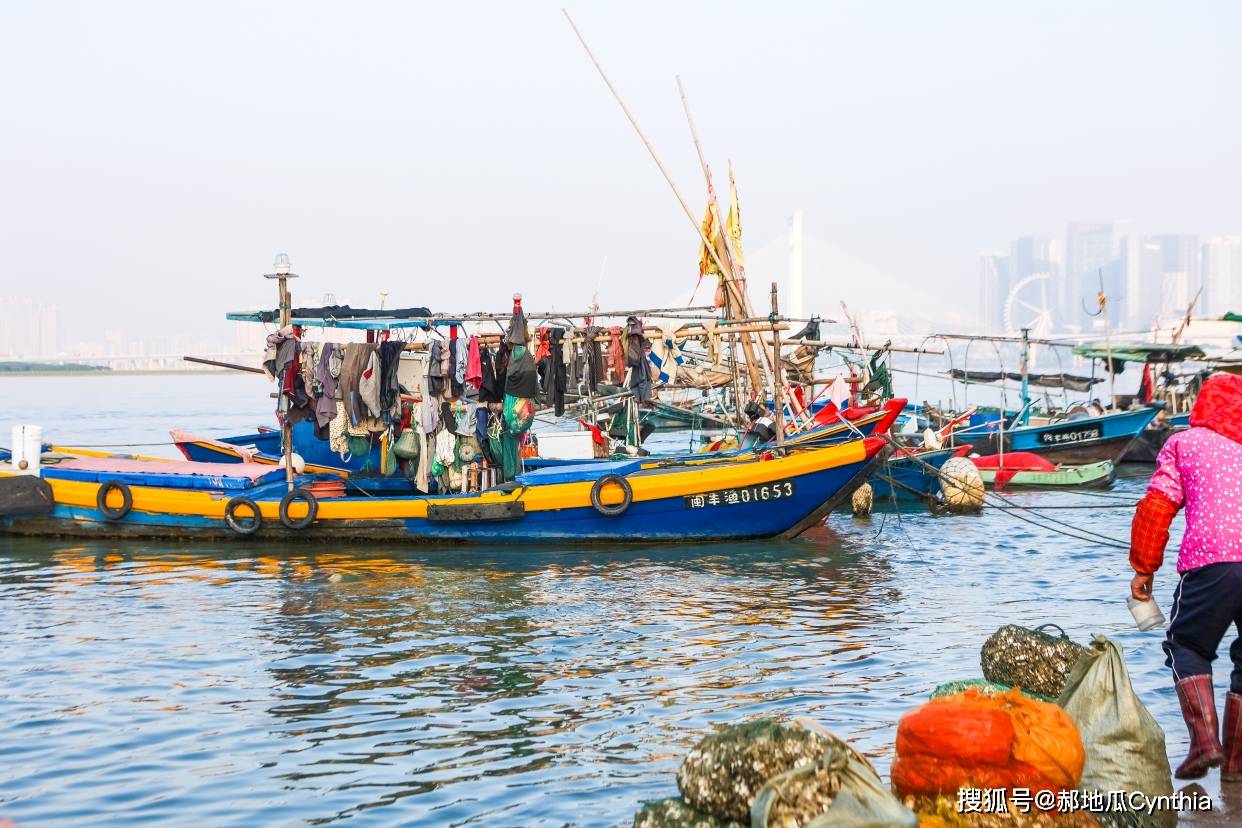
(1077, 533)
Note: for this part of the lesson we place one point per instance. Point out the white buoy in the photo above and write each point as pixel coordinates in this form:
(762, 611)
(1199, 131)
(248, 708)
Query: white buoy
(27, 445)
(862, 499)
(299, 465)
(961, 485)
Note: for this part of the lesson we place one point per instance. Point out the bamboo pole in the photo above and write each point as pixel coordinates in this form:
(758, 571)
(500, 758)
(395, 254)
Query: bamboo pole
(647, 143)
(728, 274)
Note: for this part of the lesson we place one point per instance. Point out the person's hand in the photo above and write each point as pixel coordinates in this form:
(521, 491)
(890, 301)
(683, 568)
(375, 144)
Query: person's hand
(1140, 587)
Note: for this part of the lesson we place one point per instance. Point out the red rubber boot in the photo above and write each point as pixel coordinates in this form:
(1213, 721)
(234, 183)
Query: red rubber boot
(1231, 770)
(1199, 711)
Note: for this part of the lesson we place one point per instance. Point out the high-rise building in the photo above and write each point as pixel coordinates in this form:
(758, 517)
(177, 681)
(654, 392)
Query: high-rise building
(1221, 276)
(1034, 276)
(27, 329)
(1089, 250)
(1170, 278)
(993, 290)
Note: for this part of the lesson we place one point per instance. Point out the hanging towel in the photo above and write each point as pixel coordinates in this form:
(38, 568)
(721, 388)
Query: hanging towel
(474, 365)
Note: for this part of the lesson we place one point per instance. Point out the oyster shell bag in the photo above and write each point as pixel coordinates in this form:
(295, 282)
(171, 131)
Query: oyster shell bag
(838, 789)
(1124, 744)
(1031, 659)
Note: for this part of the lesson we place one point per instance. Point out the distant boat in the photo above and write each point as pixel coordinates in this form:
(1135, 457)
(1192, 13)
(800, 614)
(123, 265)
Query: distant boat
(1025, 470)
(1074, 440)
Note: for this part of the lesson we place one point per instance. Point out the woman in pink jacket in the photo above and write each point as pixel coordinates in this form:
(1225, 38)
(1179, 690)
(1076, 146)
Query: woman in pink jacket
(1200, 469)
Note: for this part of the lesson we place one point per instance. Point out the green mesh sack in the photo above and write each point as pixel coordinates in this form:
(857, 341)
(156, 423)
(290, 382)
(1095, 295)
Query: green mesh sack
(519, 413)
(987, 688)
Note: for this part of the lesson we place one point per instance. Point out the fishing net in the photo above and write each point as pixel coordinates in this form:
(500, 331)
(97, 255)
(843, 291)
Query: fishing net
(1030, 659)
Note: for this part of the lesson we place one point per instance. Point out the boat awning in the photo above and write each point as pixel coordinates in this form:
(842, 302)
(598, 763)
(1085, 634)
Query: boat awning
(1138, 351)
(1072, 382)
(343, 316)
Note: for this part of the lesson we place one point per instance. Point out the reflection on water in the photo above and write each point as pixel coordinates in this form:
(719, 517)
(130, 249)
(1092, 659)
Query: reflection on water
(516, 686)
(218, 685)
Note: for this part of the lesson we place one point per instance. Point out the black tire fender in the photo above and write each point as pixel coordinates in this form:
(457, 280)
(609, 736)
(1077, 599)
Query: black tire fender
(618, 509)
(312, 509)
(101, 500)
(242, 526)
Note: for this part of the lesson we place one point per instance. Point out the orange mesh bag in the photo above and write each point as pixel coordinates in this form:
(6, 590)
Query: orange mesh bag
(1045, 738)
(1002, 741)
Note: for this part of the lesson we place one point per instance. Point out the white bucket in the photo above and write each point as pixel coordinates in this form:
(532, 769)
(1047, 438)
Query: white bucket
(1147, 614)
(27, 445)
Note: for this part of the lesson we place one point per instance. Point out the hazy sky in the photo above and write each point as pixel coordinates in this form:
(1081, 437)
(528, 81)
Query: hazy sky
(155, 156)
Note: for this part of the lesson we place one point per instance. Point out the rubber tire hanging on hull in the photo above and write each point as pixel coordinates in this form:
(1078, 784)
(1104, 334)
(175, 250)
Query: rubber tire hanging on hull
(617, 509)
(239, 526)
(101, 500)
(312, 509)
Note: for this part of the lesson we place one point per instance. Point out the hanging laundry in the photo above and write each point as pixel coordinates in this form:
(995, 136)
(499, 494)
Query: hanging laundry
(435, 372)
(369, 385)
(593, 357)
(308, 361)
(390, 386)
(616, 354)
(666, 355)
(554, 373)
(569, 356)
(544, 349)
(474, 365)
(429, 414)
(446, 368)
(338, 438)
(636, 361)
(461, 358)
(326, 402)
(521, 377)
(517, 333)
(281, 346)
(357, 356)
(489, 392)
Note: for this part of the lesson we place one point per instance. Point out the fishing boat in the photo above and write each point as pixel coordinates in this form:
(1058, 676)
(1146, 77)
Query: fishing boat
(592, 503)
(912, 475)
(1076, 438)
(1021, 469)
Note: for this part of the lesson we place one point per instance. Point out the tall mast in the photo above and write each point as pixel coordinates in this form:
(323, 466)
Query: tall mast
(795, 275)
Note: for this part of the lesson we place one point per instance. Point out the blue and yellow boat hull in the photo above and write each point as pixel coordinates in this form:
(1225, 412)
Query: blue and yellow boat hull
(753, 498)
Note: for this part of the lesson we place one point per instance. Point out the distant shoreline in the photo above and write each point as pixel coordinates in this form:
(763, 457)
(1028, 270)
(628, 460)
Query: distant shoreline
(79, 372)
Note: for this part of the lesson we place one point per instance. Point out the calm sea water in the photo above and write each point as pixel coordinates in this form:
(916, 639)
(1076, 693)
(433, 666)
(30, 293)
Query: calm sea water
(402, 685)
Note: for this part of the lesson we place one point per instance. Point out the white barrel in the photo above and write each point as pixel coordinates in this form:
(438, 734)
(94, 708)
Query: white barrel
(27, 447)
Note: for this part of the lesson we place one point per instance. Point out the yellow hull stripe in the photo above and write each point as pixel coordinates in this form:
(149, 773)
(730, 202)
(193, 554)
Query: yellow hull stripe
(645, 485)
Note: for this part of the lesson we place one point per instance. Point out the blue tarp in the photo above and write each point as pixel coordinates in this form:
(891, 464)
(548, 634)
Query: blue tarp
(582, 473)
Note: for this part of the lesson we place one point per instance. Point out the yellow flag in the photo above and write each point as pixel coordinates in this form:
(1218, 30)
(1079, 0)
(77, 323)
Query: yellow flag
(735, 225)
(711, 229)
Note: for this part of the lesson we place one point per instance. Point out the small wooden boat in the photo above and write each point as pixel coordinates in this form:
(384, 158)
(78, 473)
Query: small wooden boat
(1025, 470)
(603, 502)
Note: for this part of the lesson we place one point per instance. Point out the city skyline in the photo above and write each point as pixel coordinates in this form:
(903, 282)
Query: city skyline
(1052, 286)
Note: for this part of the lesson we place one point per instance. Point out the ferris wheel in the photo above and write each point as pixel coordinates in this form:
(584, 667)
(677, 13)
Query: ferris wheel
(1030, 306)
